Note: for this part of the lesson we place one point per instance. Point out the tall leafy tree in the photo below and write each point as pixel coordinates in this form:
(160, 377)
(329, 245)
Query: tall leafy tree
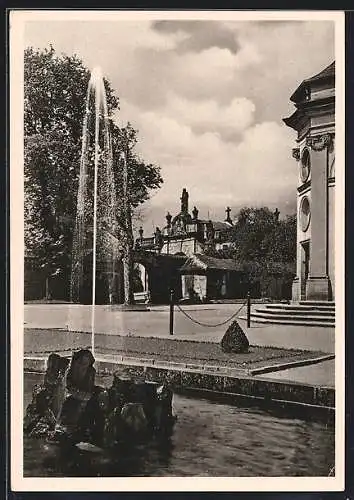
(55, 88)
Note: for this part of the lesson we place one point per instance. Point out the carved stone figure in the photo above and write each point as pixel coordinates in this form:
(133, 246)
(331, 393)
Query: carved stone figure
(168, 219)
(158, 237)
(184, 201)
(210, 231)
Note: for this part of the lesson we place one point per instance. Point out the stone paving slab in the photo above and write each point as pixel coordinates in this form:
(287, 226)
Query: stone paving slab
(321, 374)
(155, 323)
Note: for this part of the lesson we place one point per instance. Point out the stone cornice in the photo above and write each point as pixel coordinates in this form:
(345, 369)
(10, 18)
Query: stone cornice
(307, 110)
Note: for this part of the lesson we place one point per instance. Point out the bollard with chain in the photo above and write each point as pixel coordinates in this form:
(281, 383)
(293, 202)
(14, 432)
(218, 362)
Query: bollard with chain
(172, 297)
(248, 310)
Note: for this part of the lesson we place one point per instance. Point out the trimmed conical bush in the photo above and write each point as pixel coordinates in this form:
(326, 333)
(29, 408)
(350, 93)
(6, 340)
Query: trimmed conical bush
(234, 339)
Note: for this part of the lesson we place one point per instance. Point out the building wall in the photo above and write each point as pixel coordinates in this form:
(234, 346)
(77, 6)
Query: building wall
(319, 235)
(318, 188)
(188, 246)
(331, 237)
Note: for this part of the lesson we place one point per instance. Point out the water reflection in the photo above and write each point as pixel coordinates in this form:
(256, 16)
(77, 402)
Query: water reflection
(209, 439)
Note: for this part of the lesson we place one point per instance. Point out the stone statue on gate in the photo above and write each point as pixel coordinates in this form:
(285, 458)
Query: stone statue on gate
(184, 201)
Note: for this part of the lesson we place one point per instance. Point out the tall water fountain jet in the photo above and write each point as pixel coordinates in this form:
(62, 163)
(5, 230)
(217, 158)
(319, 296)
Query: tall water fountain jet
(96, 204)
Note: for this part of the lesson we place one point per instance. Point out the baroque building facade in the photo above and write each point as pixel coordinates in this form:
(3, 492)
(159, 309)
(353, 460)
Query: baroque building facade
(186, 233)
(183, 249)
(314, 123)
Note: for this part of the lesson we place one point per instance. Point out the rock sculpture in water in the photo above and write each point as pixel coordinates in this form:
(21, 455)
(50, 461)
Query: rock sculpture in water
(80, 385)
(234, 340)
(47, 399)
(70, 407)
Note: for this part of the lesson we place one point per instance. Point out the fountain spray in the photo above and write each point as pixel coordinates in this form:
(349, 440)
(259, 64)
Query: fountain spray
(96, 201)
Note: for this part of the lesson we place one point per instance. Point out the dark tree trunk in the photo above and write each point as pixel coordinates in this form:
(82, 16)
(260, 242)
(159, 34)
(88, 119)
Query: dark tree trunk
(48, 295)
(128, 273)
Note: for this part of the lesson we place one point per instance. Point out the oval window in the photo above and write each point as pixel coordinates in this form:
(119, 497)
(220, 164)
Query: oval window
(305, 165)
(305, 213)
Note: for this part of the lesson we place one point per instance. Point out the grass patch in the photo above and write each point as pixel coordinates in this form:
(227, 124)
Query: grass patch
(182, 351)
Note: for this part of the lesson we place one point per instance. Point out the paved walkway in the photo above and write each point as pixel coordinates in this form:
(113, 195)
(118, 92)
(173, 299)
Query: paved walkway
(321, 374)
(155, 323)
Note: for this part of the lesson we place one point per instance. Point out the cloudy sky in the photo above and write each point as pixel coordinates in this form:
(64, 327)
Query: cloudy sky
(207, 97)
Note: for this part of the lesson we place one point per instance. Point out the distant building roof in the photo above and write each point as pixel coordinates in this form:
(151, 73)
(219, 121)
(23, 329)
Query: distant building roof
(217, 225)
(200, 262)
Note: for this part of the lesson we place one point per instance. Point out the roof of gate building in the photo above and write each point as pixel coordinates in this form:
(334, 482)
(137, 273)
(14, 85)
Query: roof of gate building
(201, 262)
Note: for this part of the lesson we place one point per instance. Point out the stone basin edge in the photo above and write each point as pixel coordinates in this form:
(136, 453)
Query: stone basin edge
(205, 382)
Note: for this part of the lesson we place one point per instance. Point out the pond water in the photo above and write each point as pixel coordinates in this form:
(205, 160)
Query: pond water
(209, 439)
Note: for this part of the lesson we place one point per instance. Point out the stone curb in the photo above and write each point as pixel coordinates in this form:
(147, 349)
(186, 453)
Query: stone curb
(290, 364)
(200, 368)
(137, 361)
(238, 385)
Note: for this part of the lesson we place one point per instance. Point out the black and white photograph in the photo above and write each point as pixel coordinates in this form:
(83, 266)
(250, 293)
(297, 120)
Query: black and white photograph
(177, 250)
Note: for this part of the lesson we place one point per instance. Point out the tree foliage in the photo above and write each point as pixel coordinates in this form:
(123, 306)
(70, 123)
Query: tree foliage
(55, 88)
(264, 245)
(260, 235)
(55, 93)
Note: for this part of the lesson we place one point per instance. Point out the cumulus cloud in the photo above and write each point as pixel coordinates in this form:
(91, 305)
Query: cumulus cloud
(199, 35)
(252, 171)
(207, 97)
(209, 116)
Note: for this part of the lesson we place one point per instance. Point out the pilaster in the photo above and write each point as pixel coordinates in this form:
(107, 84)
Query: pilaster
(318, 286)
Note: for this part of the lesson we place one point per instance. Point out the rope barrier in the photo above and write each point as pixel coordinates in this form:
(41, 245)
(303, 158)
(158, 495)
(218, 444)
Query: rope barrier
(207, 324)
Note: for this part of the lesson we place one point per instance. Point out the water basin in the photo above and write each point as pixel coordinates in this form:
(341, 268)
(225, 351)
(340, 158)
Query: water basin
(209, 439)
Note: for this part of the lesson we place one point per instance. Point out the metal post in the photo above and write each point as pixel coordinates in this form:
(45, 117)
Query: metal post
(248, 310)
(172, 293)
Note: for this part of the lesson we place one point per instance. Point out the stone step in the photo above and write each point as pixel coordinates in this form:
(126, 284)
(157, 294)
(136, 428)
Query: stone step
(304, 313)
(310, 317)
(294, 307)
(291, 321)
(295, 313)
(317, 302)
(297, 309)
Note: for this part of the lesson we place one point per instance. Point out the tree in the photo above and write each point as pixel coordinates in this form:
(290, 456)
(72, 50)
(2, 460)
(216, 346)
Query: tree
(259, 234)
(50, 162)
(55, 88)
(264, 245)
(55, 93)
